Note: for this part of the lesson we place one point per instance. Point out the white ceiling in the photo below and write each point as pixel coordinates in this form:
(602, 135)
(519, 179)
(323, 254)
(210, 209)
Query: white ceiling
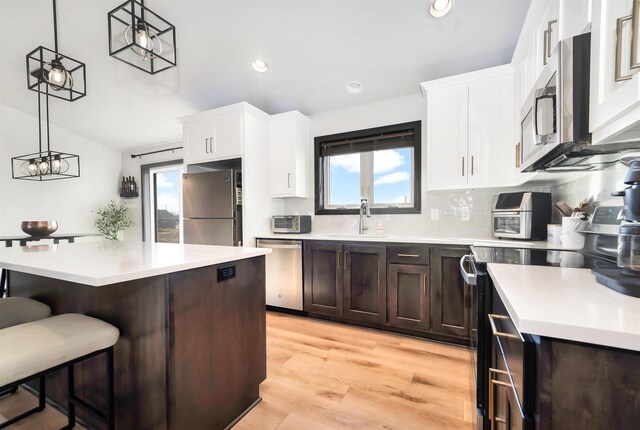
(313, 48)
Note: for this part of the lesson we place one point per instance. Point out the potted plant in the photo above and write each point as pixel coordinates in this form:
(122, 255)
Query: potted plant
(113, 219)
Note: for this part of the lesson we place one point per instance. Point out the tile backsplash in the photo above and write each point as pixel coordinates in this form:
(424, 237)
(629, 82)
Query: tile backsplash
(596, 186)
(460, 214)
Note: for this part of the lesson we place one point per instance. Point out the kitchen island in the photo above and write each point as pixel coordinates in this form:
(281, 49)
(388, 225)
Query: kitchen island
(192, 348)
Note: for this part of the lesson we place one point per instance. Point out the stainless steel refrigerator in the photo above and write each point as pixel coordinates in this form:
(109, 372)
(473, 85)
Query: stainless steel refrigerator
(212, 208)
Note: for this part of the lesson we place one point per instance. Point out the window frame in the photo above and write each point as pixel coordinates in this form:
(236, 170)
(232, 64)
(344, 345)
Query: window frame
(147, 197)
(321, 180)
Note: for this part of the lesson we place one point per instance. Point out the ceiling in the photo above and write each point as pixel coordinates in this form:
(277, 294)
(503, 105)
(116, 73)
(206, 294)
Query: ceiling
(313, 48)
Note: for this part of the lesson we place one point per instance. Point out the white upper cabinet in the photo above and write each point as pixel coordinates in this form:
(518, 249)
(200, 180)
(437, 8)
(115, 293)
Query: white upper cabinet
(212, 136)
(615, 82)
(447, 137)
(547, 22)
(289, 142)
(470, 130)
(491, 131)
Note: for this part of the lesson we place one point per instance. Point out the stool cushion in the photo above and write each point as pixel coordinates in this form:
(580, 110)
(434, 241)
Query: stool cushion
(20, 310)
(33, 347)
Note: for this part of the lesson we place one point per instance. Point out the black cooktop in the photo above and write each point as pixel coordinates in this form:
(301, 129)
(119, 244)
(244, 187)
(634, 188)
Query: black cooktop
(538, 257)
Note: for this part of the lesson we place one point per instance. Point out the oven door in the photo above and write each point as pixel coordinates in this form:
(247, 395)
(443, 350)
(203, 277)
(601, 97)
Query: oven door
(515, 225)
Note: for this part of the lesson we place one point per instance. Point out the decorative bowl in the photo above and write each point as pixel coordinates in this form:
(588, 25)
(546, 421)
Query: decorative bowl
(39, 228)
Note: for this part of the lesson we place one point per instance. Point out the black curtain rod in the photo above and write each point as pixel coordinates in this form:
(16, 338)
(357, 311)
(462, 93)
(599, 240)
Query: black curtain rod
(156, 152)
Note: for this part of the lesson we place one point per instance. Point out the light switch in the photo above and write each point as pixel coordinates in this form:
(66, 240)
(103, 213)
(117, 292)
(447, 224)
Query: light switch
(435, 213)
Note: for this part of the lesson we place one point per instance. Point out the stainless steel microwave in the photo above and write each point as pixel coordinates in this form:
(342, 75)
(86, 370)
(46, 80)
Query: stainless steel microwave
(291, 224)
(555, 116)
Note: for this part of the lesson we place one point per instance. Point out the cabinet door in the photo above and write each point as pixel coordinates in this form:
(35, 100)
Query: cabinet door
(226, 134)
(323, 290)
(612, 96)
(196, 144)
(283, 162)
(365, 283)
(408, 296)
(447, 131)
(450, 295)
(491, 130)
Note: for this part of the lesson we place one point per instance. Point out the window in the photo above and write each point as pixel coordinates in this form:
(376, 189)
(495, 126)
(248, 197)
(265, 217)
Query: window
(380, 164)
(165, 203)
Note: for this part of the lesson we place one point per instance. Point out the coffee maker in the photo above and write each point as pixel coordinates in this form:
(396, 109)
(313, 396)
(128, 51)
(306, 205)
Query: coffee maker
(626, 278)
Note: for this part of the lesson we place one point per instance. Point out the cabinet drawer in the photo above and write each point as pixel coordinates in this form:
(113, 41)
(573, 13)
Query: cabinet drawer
(517, 352)
(408, 254)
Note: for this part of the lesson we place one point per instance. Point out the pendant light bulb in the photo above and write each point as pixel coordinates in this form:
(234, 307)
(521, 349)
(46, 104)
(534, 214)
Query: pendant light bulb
(33, 168)
(142, 39)
(56, 75)
(55, 165)
(43, 166)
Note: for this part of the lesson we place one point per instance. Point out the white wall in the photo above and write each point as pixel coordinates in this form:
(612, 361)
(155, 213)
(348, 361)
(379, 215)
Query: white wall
(68, 201)
(450, 204)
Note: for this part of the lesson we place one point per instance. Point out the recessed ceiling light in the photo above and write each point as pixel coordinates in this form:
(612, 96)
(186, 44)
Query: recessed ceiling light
(260, 66)
(354, 87)
(440, 8)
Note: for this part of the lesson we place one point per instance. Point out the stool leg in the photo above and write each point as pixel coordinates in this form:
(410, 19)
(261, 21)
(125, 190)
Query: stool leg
(111, 418)
(42, 397)
(71, 411)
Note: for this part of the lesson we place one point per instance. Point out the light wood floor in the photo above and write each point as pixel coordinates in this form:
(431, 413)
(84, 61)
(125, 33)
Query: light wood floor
(323, 375)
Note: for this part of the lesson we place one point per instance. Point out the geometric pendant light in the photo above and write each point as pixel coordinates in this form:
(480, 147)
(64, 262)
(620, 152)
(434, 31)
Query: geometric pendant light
(141, 38)
(45, 165)
(50, 72)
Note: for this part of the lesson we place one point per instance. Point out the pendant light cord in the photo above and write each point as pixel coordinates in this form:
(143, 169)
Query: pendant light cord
(39, 124)
(47, 104)
(55, 29)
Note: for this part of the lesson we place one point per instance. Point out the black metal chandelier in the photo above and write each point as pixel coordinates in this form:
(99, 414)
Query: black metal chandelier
(50, 70)
(45, 165)
(141, 38)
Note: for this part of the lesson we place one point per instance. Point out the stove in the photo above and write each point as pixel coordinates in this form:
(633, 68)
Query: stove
(483, 255)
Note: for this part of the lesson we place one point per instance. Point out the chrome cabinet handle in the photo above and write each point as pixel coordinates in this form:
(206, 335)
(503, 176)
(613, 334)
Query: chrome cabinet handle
(288, 180)
(347, 259)
(619, 26)
(492, 407)
(206, 145)
(545, 49)
(462, 166)
(338, 259)
(472, 165)
(518, 154)
(492, 318)
(409, 255)
(635, 34)
(424, 284)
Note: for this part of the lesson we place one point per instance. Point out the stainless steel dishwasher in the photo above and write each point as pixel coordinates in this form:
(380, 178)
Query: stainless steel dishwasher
(284, 272)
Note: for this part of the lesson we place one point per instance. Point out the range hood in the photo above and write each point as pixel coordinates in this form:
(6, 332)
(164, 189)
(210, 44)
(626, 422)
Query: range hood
(584, 157)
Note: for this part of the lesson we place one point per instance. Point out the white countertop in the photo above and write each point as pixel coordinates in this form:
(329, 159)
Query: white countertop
(103, 262)
(460, 241)
(567, 303)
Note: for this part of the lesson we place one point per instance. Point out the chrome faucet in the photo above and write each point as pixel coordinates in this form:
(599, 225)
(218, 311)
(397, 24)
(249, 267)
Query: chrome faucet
(364, 211)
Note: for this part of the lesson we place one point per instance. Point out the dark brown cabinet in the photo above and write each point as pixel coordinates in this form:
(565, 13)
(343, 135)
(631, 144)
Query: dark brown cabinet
(347, 281)
(365, 283)
(408, 297)
(323, 287)
(450, 295)
(411, 288)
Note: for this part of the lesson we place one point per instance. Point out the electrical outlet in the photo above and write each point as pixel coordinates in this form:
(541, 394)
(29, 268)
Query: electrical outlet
(435, 214)
(464, 214)
(130, 205)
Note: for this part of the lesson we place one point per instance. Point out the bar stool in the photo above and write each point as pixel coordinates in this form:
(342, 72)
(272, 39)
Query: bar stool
(20, 310)
(32, 350)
